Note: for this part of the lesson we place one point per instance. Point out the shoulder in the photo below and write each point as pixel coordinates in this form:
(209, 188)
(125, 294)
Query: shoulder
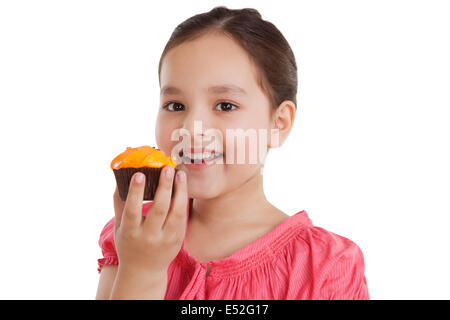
(303, 236)
(324, 248)
(335, 263)
(329, 244)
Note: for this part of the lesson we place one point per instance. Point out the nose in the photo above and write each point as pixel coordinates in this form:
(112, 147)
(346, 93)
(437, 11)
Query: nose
(196, 122)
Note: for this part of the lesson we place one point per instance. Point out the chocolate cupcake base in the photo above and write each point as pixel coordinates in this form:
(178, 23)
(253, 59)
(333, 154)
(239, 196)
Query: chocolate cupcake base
(124, 175)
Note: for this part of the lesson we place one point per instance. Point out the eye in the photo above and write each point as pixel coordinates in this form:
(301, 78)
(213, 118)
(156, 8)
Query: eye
(227, 106)
(175, 106)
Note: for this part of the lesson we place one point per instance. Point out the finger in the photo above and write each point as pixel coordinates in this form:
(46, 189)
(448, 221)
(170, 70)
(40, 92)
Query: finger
(132, 212)
(160, 206)
(175, 223)
(118, 208)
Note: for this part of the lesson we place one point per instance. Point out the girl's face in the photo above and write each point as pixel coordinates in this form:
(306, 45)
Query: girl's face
(194, 79)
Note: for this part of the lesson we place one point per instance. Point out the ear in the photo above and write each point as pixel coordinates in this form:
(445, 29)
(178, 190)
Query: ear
(281, 123)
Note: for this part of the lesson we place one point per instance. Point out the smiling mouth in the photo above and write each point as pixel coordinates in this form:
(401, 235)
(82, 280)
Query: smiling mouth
(198, 158)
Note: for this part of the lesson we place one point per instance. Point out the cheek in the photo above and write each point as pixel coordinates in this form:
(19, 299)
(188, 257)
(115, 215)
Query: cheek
(163, 133)
(243, 163)
(254, 128)
(246, 148)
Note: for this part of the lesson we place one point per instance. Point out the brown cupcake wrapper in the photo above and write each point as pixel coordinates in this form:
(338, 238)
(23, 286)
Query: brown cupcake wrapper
(124, 175)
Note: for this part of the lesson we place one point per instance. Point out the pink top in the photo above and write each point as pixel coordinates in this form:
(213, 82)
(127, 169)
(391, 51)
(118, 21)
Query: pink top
(295, 260)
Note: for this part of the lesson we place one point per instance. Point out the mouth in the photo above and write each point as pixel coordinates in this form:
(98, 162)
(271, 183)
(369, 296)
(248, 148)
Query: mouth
(199, 158)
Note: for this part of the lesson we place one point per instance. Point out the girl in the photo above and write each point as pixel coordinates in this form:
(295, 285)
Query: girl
(217, 236)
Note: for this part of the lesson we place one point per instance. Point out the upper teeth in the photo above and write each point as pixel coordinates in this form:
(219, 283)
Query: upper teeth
(197, 156)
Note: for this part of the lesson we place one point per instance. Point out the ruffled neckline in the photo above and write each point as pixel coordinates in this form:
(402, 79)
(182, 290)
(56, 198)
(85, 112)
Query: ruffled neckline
(262, 249)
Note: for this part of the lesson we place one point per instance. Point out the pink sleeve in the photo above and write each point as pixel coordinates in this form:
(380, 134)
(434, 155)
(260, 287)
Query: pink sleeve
(345, 279)
(106, 241)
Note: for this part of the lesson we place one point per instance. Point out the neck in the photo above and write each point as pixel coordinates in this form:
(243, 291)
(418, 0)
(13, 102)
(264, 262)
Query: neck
(243, 204)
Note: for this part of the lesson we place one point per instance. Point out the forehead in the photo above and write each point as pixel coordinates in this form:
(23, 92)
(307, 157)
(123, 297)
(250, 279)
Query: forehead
(211, 59)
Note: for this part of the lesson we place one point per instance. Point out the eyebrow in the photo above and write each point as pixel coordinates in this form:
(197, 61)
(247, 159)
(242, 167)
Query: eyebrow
(225, 88)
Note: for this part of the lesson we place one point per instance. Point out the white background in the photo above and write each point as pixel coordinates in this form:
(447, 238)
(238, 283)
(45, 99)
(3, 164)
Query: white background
(368, 157)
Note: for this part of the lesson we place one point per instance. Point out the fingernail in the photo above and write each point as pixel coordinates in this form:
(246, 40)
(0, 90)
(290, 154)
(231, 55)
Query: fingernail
(181, 175)
(139, 177)
(169, 172)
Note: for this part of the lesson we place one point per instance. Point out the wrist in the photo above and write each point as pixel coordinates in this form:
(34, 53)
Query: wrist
(133, 283)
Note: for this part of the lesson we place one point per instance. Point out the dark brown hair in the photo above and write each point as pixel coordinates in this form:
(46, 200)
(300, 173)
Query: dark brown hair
(264, 43)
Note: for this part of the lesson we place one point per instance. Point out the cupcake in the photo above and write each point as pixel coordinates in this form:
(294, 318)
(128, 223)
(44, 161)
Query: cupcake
(145, 159)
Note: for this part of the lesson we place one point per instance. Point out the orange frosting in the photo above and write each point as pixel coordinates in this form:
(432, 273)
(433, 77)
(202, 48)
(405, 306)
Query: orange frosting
(144, 156)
